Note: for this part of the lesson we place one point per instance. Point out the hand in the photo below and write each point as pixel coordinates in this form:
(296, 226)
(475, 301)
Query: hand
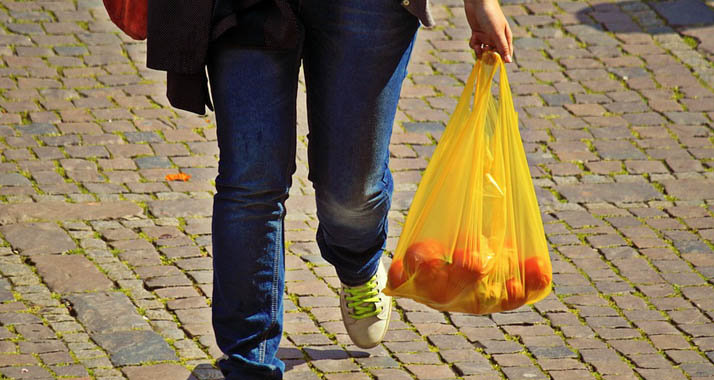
(489, 28)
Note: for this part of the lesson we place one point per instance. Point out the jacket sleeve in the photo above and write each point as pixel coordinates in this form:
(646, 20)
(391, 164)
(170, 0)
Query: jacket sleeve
(188, 92)
(178, 34)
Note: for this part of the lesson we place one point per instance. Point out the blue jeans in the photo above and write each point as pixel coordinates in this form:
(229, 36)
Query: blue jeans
(355, 54)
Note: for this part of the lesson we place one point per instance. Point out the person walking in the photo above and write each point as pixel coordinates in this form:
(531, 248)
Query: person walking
(354, 54)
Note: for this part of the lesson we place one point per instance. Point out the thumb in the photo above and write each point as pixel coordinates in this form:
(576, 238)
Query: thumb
(509, 38)
(503, 48)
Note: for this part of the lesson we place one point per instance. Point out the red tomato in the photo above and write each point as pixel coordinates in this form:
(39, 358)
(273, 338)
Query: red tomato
(396, 276)
(421, 252)
(465, 270)
(474, 263)
(516, 295)
(537, 275)
(432, 281)
(426, 260)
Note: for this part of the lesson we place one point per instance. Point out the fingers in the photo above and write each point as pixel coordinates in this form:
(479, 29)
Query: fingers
(480, 47)
(502, 47)
(478, 51)
(475, 44)
(509, 38)
(502, 43)
(480, 43)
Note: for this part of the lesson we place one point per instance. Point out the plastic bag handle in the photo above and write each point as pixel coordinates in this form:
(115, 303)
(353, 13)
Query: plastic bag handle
(490, 61)
(466, 96)
(505, 95)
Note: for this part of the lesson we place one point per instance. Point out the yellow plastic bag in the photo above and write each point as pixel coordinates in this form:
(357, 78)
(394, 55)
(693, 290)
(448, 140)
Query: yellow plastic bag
(473, 240)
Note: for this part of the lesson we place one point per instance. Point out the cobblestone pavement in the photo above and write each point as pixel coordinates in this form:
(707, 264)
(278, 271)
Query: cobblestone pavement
(105, 266)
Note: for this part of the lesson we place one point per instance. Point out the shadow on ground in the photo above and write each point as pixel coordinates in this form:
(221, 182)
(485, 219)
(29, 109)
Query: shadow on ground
(205, 371)
(692, 18)
(292, 358)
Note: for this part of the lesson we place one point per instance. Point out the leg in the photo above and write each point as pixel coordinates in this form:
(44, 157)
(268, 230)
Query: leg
(254, 93)
(356, 53)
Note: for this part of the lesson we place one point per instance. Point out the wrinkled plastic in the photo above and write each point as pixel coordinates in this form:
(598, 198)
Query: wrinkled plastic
(473, 240)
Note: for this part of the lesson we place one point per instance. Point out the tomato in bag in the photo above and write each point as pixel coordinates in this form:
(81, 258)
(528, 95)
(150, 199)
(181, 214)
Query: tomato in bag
(473, 240)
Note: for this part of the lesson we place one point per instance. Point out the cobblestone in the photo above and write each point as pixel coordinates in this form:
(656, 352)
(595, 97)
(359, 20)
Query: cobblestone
(105, 267)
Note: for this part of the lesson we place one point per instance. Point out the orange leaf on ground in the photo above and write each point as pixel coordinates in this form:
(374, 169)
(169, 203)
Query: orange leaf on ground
(178, 177)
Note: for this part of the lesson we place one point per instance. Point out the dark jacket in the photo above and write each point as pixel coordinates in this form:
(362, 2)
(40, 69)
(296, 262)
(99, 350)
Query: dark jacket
(180, 31)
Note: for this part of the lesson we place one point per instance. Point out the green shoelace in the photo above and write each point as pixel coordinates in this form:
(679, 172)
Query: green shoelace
(362, 300)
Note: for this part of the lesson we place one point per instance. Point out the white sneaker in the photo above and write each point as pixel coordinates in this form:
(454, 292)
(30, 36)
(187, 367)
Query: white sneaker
(366, 310)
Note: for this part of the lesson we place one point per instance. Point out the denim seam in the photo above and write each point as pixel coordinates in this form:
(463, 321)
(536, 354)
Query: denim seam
(273, 302)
